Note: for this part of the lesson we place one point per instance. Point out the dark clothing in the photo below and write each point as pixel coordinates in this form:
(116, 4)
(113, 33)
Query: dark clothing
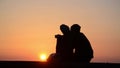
(83, 49)
(64, 50)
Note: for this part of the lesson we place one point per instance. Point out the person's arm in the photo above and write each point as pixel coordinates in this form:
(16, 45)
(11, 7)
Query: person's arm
(58, 43)
(58, 36)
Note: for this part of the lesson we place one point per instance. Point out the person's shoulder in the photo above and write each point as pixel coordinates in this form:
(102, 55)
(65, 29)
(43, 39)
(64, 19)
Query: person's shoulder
(81, 33)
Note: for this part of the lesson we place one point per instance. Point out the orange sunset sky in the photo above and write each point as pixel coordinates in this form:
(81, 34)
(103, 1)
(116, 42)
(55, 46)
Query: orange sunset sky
(27, 27)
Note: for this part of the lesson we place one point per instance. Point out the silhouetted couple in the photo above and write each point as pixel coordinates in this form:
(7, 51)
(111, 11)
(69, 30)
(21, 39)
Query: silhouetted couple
(72, 46)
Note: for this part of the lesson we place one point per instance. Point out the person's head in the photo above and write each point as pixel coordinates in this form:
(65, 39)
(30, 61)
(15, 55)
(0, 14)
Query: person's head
(75, 28)
(64, 28)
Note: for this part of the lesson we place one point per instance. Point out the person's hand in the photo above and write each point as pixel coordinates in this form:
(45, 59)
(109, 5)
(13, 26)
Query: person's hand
(58, 36)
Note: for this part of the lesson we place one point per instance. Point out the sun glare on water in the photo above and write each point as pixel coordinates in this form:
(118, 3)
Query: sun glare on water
(43, 57)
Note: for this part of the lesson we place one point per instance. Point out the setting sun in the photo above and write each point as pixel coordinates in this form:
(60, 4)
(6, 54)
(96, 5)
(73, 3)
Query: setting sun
(43, 57)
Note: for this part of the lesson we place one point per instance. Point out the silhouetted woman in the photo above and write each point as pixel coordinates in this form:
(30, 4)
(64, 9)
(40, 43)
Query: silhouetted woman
(64, 49)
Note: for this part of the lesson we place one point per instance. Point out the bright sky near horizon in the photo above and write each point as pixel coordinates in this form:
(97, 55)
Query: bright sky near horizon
(27, 27)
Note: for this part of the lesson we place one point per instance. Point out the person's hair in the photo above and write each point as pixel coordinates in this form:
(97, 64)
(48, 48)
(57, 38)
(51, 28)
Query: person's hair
(75, 27)
(64, 28)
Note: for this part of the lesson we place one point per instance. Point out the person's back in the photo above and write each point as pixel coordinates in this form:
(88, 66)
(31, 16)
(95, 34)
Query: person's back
(83, 49)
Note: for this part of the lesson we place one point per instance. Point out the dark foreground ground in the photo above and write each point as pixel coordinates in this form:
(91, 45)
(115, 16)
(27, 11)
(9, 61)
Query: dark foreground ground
(33, 64)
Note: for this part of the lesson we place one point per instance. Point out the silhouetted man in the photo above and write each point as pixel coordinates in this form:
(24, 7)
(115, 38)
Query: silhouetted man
(83, 50)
